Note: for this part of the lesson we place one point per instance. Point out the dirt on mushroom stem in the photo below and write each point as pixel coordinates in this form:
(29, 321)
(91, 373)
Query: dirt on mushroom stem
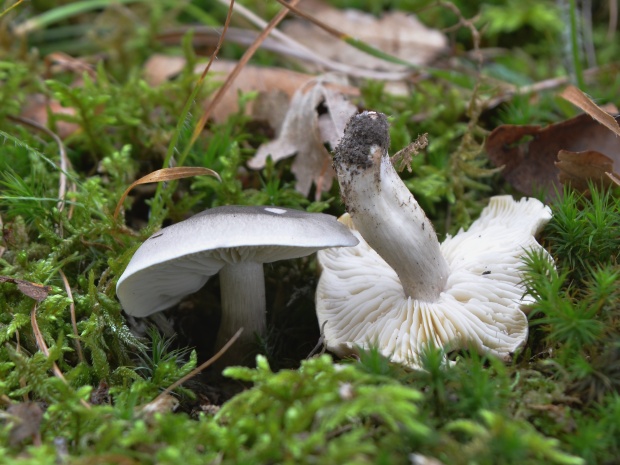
(384, 210)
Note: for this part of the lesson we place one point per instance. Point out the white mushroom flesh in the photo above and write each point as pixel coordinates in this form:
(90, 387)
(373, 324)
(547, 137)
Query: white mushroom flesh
(385, 212)
(474, 297)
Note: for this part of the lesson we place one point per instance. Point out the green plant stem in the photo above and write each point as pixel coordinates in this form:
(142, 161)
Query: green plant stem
(72, 9)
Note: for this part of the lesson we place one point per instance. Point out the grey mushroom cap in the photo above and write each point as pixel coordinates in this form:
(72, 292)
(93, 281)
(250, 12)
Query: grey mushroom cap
(179, 259)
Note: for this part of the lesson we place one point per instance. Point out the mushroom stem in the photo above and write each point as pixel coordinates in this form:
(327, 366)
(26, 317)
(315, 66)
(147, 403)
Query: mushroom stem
(242, 288)
(384, 211)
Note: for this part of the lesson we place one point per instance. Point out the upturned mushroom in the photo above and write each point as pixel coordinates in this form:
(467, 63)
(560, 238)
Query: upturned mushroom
(233, 241)
(402, 290)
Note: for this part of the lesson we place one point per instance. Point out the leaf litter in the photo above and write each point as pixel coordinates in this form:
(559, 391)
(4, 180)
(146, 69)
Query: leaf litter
(305, 132)
(539, 159)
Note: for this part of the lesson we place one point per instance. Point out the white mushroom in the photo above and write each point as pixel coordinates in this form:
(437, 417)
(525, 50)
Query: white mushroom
(402, 290)
(234, 241)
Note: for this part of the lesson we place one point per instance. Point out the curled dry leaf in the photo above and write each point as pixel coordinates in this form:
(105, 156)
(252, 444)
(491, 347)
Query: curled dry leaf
(35, 291)
(396, 33)
(305, 133)
(166, 174)
(529, 153)
(581, 100)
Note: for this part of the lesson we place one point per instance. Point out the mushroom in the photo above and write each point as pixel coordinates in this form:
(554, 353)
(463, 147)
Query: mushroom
(234, 241)
(402, 290)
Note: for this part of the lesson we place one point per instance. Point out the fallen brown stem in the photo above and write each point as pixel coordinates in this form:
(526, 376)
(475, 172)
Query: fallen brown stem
(201, 367)
(72, 311)
(235, 72)
(43, 348)
(298, 50)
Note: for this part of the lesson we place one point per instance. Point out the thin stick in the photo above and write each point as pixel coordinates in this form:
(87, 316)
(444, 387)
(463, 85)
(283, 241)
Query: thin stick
(299, 50)
(72, 310)
(43, 348)
(14, 5)
(235, 72)
(201, 367)
(199, 84)
(155, 207)
(547, 84)
(22, 380)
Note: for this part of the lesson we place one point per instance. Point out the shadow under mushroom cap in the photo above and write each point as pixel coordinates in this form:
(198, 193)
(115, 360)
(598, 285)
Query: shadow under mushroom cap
(179, 259)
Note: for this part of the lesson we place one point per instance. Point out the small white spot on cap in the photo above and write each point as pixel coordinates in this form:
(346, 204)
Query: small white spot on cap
(277, 211)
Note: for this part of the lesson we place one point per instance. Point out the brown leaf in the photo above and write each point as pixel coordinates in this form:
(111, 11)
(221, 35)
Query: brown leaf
(303, 134)
(271, 107)
(160, 68)
(166, 174)
(395, 32)
(581, 100)
(528, 153)
(577, 168)
(35, 291)
(26, 421)
(38, 108)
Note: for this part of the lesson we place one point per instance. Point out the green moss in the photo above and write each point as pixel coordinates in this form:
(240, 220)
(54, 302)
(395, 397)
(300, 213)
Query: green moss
(557, 402)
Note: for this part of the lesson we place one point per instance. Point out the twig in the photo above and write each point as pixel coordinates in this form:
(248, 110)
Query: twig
(403, 158)
(72, 310)
(321, 344)
(299, 50)
(18, 349)
(540, 86)
(358, 44)
(155, 207)
(14, 5)
(43, 348)
(235, 72)
(468, 24)
(201, 367)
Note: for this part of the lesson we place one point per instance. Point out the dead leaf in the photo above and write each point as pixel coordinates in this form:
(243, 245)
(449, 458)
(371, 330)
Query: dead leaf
(166, 174)
(159, 68)
(35, 291)
(26, 421)
(577, 168)
(271, 106)
(582, 101)
(396, 33)
(304, 133)
(528, 153)
(38, 108)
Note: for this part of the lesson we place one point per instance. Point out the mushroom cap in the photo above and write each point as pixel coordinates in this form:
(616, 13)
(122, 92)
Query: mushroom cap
(361, 301)
(179, 259)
